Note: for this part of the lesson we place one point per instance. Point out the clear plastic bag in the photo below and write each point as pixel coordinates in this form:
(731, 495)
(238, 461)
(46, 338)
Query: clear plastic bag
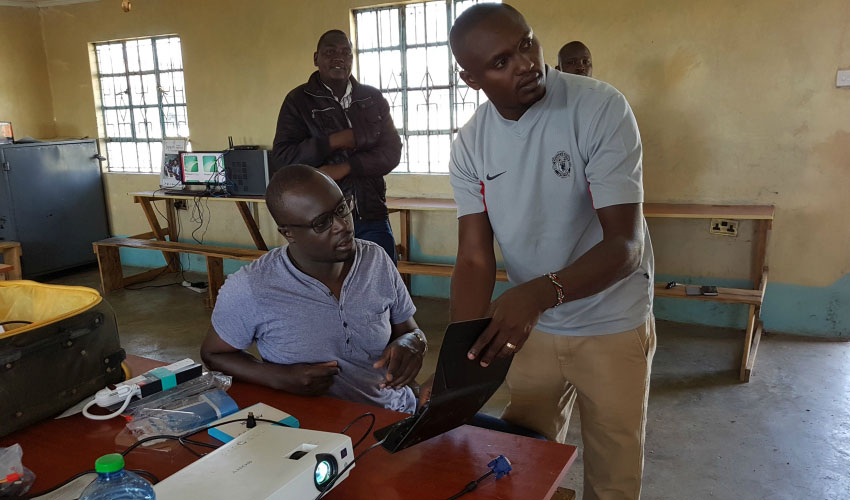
(10, 464)
(175, 396)
(181, 416)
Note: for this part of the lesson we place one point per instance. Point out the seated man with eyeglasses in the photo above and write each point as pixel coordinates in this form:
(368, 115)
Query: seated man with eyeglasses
(329, 313)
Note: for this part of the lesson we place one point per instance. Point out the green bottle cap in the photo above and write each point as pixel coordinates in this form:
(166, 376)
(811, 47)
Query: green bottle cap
(109, 463)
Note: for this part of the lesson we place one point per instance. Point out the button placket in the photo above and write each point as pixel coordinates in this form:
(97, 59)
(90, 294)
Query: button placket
(346, 331)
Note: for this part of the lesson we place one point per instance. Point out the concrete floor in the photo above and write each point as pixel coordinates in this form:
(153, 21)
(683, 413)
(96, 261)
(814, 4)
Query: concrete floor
(785, 435)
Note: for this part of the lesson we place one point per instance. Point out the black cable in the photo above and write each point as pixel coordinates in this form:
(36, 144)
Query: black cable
(185, 436)
(60, 485)
(209, 216)
(469, 487)
(176, 236)
(73, 478)
(4, 323)
(326, 488)
(153, 286)
(150, 475)
(172, 437)
(199, 443)
(179, 257)
(190, 450)
(366, 434)
(197, 215)
(142, 441)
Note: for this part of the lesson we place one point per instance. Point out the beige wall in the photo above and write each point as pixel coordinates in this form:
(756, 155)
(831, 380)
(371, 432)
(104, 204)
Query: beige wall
(25, 98)
(736, 103)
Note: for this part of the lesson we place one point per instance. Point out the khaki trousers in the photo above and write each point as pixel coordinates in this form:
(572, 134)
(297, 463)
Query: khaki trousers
(609, 377)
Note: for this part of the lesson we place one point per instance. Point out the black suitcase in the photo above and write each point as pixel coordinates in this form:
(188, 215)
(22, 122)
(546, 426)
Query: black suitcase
(60, 346)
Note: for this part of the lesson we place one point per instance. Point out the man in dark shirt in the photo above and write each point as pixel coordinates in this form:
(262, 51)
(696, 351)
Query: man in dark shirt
(344, 129)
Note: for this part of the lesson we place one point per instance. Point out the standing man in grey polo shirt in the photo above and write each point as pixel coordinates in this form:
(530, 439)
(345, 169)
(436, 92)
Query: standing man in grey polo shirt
(551, 166)
(329, 313)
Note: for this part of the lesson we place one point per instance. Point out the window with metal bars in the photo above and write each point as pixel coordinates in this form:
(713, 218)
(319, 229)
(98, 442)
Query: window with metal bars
(403, 50)
(142, 100)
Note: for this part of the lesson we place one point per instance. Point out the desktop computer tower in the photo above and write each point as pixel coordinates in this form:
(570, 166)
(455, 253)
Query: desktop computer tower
(247, 172)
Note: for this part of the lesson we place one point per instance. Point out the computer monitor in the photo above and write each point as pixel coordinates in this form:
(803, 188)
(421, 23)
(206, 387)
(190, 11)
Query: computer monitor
(203, 167)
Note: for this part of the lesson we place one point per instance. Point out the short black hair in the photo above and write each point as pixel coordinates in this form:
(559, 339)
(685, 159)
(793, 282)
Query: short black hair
(283, 181)
(472, 16)
(570, 45)
(328, 34)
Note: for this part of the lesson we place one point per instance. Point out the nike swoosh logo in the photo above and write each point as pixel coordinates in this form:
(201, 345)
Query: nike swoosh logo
(490, 178)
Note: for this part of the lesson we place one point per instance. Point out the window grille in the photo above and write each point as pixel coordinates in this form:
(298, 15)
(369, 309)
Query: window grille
(403, 50)
(142, 100)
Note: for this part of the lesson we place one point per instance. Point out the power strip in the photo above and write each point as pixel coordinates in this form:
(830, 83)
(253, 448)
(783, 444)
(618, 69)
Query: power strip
(197, 286)
(108, 397)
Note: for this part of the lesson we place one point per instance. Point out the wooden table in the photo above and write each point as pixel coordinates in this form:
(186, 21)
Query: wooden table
(434, 470)
(11, 251)
(752, 297)
(146, 199)
(165, 240)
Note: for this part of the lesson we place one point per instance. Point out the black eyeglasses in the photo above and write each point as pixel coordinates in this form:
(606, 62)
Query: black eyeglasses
(324, 221)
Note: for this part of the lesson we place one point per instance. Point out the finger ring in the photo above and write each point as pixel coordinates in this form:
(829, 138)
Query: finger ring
(510, 346)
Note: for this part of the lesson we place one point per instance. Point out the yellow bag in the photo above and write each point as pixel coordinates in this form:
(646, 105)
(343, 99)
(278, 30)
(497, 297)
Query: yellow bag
(59, 345)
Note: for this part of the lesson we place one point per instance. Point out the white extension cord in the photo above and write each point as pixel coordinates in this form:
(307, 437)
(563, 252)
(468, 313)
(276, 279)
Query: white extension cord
(108, 397)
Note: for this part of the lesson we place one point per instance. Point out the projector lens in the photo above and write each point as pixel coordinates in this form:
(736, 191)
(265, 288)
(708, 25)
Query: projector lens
(323, 472)
(326, 469)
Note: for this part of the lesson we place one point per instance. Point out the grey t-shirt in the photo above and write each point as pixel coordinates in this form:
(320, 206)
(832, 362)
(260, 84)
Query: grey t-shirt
(294, 318)
(540, 179)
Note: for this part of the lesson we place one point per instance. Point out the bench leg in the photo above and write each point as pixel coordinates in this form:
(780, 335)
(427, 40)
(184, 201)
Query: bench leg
(564, 494)
(404, 245)
(170, 259)
(751, 342)
(751, 364)
(109, 263)
(215, 278)
(12, 257)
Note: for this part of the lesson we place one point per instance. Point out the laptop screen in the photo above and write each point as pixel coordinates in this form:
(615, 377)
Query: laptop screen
(461, 388)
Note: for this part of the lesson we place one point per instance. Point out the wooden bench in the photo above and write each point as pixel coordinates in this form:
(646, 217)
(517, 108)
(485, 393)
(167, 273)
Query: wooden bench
(444, 270)
(112, 276)
(11, 251)
(762, 215)
(5, 270)
(564, 494)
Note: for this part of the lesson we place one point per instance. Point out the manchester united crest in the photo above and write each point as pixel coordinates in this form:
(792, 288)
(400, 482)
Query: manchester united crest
(561, 164)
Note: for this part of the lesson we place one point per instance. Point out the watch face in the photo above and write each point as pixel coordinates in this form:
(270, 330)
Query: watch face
(420, 336)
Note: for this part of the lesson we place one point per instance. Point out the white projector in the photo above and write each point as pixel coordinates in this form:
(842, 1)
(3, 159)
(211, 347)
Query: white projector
(269, 462)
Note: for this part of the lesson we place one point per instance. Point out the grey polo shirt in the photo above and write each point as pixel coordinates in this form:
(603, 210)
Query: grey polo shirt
(540, 179)
(294, 318)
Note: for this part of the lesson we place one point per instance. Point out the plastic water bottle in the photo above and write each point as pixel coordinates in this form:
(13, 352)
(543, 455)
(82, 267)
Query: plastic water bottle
(115, 483)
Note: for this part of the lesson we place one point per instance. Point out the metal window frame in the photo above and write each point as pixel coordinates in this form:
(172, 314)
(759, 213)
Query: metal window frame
(131, 107)
(404, 131)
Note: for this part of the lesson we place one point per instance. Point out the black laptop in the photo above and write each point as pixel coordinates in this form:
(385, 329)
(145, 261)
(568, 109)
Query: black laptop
(461, 387)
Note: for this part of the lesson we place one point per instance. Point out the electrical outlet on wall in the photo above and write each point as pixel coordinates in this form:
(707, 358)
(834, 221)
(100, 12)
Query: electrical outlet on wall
(180, 205)
(725, 227)
(842, 79)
